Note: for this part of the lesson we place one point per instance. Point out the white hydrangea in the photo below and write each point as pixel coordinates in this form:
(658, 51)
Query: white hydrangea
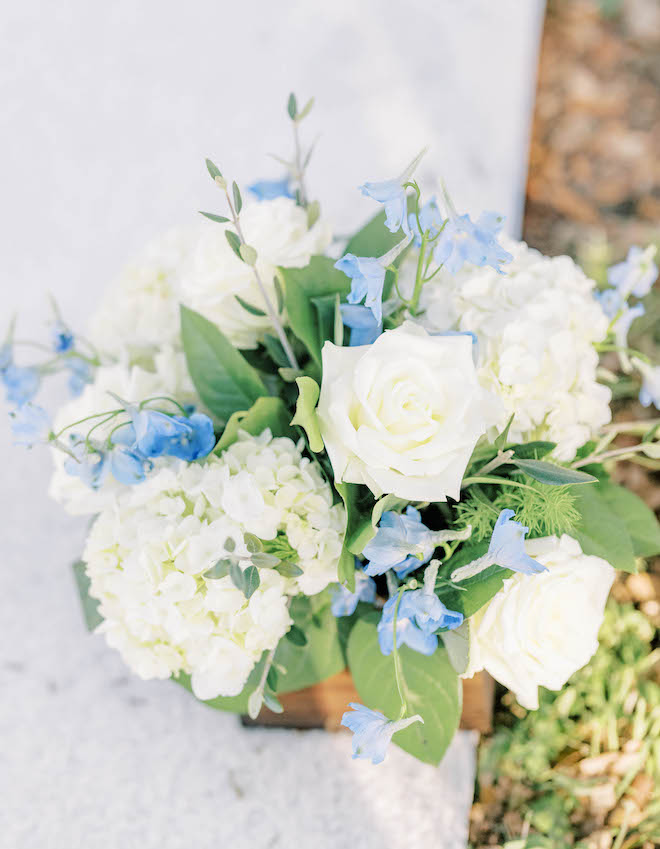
(147, 553)
(140, 312)
(277, 229)
(132, 383)
(536, 325)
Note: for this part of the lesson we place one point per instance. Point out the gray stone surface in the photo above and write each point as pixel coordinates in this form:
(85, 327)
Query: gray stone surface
(108, 110)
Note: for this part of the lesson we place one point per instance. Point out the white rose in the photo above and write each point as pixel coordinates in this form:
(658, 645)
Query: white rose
(404, 414)
(540, 629)
(277, 229)
(140, 311)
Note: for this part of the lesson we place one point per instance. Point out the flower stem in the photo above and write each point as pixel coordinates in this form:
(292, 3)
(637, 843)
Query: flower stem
(419, 276)
(272, 314)
(398, 672)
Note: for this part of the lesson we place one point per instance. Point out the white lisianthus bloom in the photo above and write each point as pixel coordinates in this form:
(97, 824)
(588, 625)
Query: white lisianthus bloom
(536, 325)
(277, 229)
(540, 629)
(146, 556)
(170, 378)
(140, 312)
(403, 415)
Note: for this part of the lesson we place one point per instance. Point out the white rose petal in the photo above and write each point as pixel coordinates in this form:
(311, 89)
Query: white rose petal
(403, 415)
(540, 629)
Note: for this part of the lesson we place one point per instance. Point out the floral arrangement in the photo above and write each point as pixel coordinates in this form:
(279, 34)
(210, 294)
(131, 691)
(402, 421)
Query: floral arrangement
(391, 452)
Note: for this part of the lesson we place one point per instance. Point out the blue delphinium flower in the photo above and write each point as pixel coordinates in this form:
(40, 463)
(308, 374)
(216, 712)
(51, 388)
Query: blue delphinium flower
(271, 189)
(610, 301)
(464, 241)
(156, 432)
(392, 195)
(62, 338)
(80, 375)
(6, 356)
(506, 549)
(344, 602)
(196, 441)
(365, 329)
(430, 218)
(420, 614)
(372, 731)
(90, 464)
(650, 391)
(30, 425)
(507, 546)
(21, 384)
(623, 324)
(402, 543)
(368, 277)
(128, 465)
(636, 274)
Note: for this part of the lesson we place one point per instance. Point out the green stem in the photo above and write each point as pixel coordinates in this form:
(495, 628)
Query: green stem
(419, 277)
(97, 425)
(633, 352)
(499, 481)
(86, 419)
(398, 672)
(162, 398)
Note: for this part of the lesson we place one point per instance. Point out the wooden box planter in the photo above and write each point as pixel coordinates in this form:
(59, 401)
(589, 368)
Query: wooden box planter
(322, 705)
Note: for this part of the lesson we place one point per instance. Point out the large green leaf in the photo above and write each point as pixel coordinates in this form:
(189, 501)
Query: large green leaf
(265, 412)
(302, 286)
(551, 474)
(225, 381)
(602, 531)
(233, 704)
(433, 687)
(90, 606)
(306, 417)
(640, 521)
(322, 654)
(476, 591)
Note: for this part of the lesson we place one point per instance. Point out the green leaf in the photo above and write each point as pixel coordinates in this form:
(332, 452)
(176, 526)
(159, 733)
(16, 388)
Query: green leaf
(213, 169)
(238, 200)
(278, 293)
(251, 580)
(475, 592)
(292, 106)
(272, 677)
(602, 531)
(346, 569)
(288, 570)
(640, 521)
(248, 255)
(433, 686)
(234, 243)
(220, 219)
(532, 450)
(224, 380)
(307, 108)
(301, 285)
(320, 657)
(362, 514)
(272, 703)
(550, 474)
(502, 437)
(305, 417)
(265, 561)
(276, 351)
(296, 636)
(236, 575)
(253, 544)
(220, 570)
(313, 213)
(264, 413)
(233, 704)
(249, 307)
(90, 606)
(325, 307)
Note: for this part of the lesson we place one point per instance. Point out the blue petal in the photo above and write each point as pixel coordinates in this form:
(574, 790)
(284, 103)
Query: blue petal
(271, 189)
(128, 466)
(195, 442)
(364, 327)
(507, 546)
(62, 338)
(344, 602)
(21, 384)
(30, 424)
